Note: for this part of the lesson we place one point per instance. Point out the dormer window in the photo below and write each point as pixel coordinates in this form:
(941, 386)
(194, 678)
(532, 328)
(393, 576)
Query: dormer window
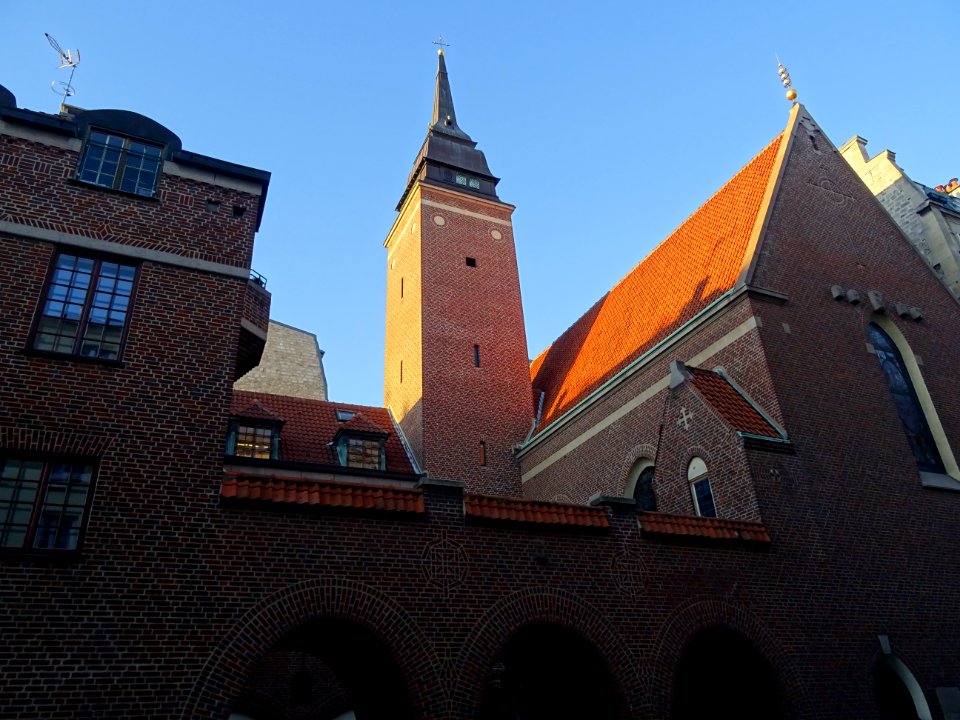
(254, 439)
(361, 452)
(359, 443)
(120, 163)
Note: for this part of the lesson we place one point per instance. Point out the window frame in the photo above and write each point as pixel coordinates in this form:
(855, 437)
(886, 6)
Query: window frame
(341, 449)
(98, 259)
(233, 435)
(122, 162)
(693, 480)
(39, 501)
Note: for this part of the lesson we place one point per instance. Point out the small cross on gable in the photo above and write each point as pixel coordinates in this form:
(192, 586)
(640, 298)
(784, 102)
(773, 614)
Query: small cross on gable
(685, 417)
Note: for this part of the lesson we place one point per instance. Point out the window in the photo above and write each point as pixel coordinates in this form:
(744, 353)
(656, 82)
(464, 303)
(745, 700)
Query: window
(120, 163)
(700, 488)
(640, 484)
(344, 415)
(43, 505)
(476, 356)
(86, 307)
(254, 440)
(483, 453)
(908, 406)
(471, 262)
(360, 452)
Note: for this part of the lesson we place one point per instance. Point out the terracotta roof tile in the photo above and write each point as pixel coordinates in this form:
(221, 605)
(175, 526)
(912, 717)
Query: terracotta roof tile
(696, 264)
(320, 493)
(693, 526)
(359, 423)
(730, 404)
(529, 511)
(256, 411)
(311, 425)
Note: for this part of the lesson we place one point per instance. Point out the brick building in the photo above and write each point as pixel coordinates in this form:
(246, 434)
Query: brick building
(729, 488)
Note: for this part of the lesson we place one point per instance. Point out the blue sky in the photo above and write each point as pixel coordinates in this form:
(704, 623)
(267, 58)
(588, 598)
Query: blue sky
(608, 122)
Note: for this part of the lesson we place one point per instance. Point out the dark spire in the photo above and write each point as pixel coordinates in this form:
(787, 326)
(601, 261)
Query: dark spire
(449, 156)
(444, 116)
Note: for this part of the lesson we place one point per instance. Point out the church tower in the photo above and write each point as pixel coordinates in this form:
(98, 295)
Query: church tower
(456, 372)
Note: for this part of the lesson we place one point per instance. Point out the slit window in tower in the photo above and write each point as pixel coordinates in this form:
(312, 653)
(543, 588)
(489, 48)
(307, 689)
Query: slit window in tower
(401, 371)
(471, 262)
(476, 356)
(401, 287)
(483, 453)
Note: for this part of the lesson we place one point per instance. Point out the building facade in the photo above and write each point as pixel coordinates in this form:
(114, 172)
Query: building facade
(730, 488)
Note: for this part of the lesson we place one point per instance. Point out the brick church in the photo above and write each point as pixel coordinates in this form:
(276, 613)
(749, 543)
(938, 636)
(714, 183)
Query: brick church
(728, 489)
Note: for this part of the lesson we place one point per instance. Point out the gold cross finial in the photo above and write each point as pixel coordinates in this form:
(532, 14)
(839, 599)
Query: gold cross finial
(439, 41)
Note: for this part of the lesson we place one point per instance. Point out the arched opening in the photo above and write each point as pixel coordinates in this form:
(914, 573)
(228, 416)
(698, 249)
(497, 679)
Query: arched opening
(327, 669)
(721, 674)
(640, 484)
(915, 408)
(898, 693)
(547, 671)
(700, 489)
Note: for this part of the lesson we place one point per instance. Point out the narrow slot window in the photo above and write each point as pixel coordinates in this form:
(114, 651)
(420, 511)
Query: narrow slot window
(483, 453)
(476, 356)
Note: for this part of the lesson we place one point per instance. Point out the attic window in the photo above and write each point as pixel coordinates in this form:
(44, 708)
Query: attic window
(344, 415)
(254, 439)
(120, 163)
(362, 452)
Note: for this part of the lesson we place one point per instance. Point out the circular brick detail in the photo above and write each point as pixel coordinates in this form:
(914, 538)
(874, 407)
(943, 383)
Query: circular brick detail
(496, 235)
(440, 220)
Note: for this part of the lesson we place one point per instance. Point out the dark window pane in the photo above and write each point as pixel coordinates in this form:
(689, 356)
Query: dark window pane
(704, 495)
(905, 399)
(643, 491)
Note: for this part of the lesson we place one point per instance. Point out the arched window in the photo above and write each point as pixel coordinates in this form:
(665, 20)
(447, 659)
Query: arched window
(700, 488)
(904, 394)
(640, 484)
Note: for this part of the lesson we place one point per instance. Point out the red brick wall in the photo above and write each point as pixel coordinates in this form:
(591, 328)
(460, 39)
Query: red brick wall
(460, 306)
(38, 190)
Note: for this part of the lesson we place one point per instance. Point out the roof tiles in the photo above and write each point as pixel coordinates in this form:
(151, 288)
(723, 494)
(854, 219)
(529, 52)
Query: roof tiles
(733, 407)
(312, 424)
(695, 265)
(320, 493)
(712, 528)
(528, 511)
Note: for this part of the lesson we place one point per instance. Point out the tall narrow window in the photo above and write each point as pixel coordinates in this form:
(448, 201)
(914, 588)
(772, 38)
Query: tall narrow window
(401, 371)
(905, 399)
(483, 453)
(700, 489)
(640, 484)
(476, 356)
(401, 287)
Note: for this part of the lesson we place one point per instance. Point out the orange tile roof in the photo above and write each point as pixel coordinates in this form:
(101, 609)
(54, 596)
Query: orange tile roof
(730, 404)
(696, 264)
(311, 425)
(298, 491)
(529, 511)
(713, 528)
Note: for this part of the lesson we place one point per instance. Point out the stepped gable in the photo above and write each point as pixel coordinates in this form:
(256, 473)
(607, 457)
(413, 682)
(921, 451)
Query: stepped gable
(312, 424)
(695, 265)
(733, 407)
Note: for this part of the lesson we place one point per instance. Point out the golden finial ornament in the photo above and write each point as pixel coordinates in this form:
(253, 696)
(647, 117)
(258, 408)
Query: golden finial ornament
(785, 79)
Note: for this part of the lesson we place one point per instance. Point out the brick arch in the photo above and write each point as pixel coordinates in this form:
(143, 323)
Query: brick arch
(527, 607)
(689, 619)
(253, 635)
(643, 450)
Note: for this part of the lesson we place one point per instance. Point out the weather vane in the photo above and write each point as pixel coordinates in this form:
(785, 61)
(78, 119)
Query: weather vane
(439, 41)
(67, 60)
(785, 79)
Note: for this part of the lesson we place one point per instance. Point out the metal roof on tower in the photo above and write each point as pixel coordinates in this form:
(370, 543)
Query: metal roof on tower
(448, 155)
